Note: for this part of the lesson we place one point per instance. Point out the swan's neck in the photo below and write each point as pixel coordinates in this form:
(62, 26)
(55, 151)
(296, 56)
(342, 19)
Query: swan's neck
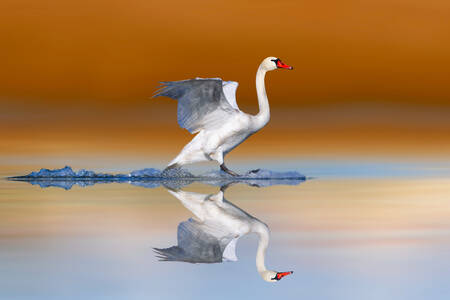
(264, 111)
(263, 234)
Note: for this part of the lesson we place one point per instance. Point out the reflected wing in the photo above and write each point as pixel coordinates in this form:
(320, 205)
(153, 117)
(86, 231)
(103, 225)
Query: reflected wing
(194, 246)
(230, 250)
(201, 102)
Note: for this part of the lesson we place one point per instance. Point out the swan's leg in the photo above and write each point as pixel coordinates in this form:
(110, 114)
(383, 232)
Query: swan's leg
(191, 153)
(224, 187)
(218, 156)
(226, 170)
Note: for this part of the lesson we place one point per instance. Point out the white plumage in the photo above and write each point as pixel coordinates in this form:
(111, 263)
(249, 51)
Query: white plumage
(211, 236)
(229, 89)
(207, 106)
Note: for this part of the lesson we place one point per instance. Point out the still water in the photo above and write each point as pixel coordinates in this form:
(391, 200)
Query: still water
(361, 231)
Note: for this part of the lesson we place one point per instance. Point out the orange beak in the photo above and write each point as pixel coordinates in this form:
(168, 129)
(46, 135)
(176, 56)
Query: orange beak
(282, 65)
(282, 274)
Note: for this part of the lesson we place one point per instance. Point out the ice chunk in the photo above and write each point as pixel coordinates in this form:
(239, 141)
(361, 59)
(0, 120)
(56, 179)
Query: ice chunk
(147, 184)
(151, 178)
(63, 172)
(166, 174)
(148, 172)
(176, 173)
(85, 173)
(67, 185)
(67, 172)
(155, 173)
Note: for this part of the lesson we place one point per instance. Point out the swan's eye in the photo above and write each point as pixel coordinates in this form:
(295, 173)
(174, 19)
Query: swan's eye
(275, 60)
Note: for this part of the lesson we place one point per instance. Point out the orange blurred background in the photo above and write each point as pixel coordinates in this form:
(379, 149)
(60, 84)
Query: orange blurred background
(371, 77)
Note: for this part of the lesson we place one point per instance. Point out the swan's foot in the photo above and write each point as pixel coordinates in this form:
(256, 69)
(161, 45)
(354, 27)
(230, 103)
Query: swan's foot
(225, 186)
(226, 170)
(254, 171)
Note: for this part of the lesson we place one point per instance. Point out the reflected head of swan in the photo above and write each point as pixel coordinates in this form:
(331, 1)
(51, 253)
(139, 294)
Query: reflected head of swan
(272, 276)
(262, 230)
(272, 63)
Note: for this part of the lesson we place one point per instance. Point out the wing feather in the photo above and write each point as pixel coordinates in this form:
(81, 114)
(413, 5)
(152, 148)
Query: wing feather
(194, 246)
(229, 89)
(201, 102)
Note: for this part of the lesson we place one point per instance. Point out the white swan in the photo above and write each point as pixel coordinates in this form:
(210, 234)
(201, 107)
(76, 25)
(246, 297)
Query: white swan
(208, 107)
(211, 236)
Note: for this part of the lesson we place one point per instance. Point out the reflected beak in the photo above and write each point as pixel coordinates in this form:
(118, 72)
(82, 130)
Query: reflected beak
(282, 274)
(282, 65)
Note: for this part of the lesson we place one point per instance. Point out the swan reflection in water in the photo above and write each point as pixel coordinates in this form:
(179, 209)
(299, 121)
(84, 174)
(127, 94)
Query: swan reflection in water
(211, 235)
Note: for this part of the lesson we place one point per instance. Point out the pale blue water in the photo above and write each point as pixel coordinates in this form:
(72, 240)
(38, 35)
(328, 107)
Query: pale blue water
(358, 230)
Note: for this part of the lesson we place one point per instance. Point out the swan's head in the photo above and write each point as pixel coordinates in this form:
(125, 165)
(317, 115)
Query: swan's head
(272, 276)
(272, 63)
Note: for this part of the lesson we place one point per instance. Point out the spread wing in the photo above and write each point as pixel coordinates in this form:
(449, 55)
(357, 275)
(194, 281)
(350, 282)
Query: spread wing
(201, 102)
(229, 89)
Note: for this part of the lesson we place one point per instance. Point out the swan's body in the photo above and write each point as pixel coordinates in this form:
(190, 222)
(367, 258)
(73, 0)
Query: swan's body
(208, 107)
(211, 236)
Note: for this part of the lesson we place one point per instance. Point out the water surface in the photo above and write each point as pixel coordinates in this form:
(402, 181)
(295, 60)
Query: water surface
(377, 231)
